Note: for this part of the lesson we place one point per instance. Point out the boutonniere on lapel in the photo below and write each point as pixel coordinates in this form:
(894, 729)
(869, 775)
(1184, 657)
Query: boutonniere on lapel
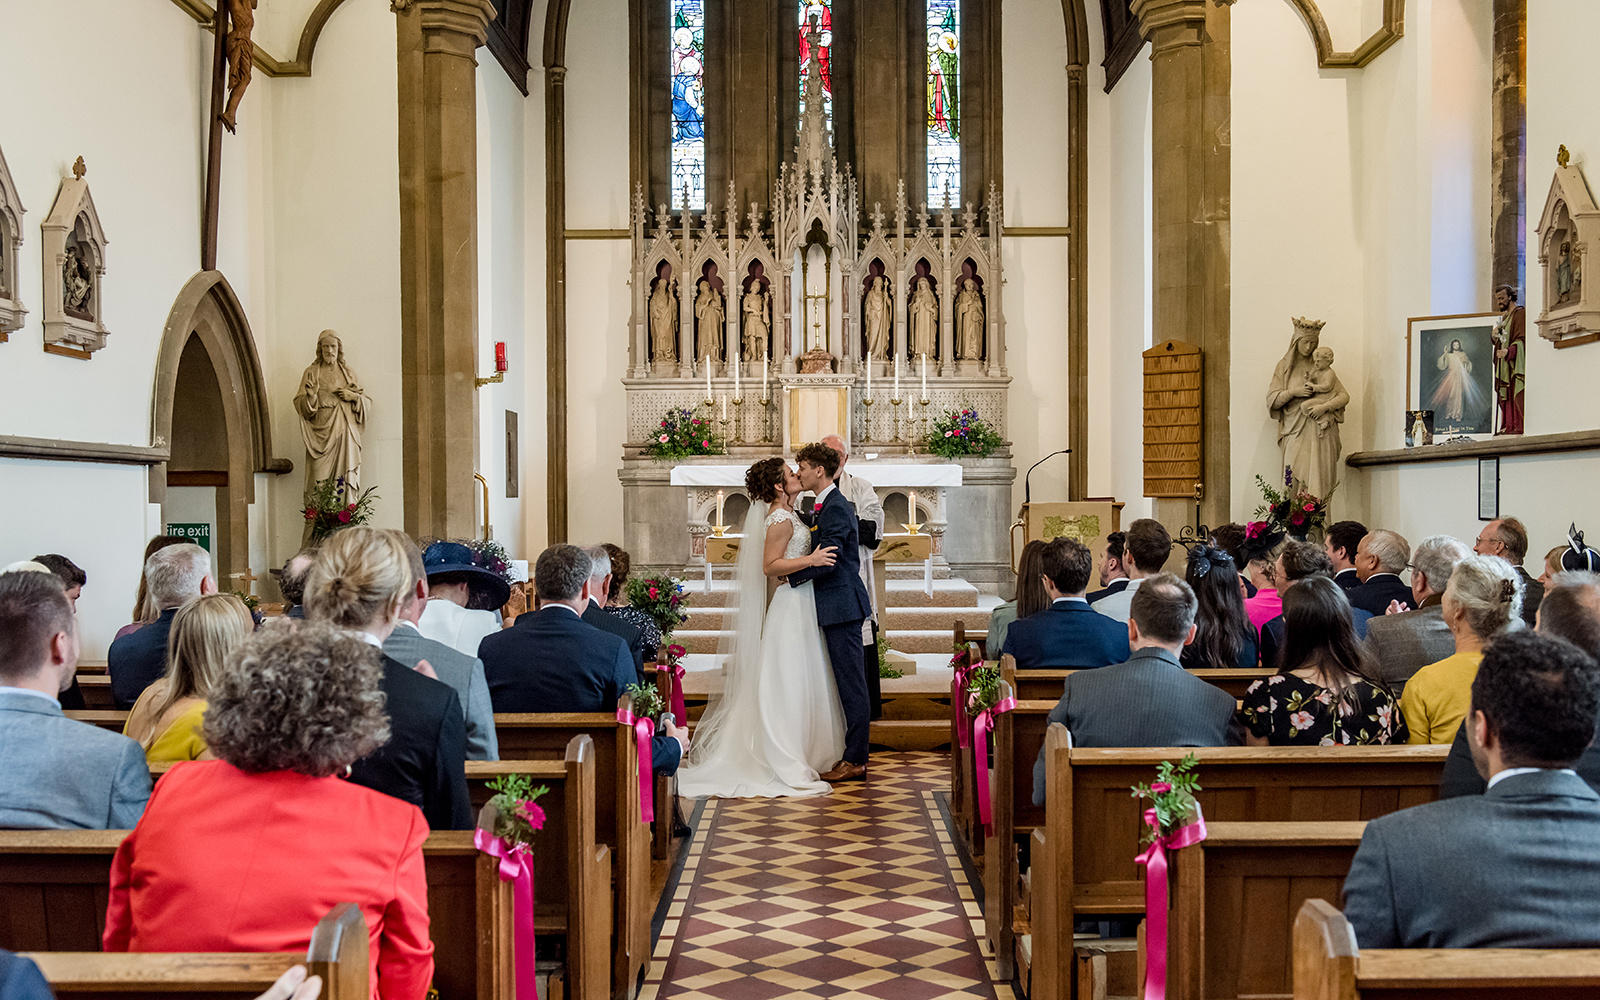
(814, 527)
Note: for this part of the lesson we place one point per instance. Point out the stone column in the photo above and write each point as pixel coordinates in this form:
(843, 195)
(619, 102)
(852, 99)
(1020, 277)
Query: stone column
(1508, 157)
(1191, 77)
(437, 42)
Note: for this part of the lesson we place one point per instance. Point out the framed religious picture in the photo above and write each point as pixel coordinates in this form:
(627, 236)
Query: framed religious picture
(1419, 428)
(1450, 370)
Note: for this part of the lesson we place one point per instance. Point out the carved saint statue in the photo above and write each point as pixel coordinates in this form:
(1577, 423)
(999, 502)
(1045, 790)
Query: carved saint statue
(754, 310)
(76, 283)
(713, 330)
(241, 20)
(1308, 401)
(333, 416)
(924, 317)
(878, 311)
(1510, 366)
(969, 321)
(664, 320)
(1569, 275)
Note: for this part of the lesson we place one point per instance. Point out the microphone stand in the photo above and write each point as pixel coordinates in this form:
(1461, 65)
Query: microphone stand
(1027, 497)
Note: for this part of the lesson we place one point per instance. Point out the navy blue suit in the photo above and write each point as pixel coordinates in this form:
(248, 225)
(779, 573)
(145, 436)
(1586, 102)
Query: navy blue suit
(1067, 634)
(842, 605)
(139, 659)
(1374, 595)
(605, 621)
(553, 661)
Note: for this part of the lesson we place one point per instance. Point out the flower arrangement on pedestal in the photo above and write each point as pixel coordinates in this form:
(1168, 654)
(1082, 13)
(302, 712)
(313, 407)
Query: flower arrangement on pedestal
(681, 434)
(1292, 509)
(963, 432)
(329, 508)
(663, 599)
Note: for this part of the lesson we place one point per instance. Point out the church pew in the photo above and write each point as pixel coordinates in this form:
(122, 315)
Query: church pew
(1328, 965)
(1083, 857)
(105, 718)
(96, 690)
(977, 636)
(97, 667)
(1049, 683)
(338, 953)
(963, 806)
(1016, 739)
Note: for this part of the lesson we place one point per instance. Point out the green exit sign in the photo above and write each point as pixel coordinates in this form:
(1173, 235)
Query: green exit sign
(198, 533)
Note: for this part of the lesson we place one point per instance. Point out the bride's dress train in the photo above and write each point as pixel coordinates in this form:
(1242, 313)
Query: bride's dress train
(779, 722)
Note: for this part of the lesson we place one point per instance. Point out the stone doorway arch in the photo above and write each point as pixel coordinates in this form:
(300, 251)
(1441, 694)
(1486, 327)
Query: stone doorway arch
(210, 412)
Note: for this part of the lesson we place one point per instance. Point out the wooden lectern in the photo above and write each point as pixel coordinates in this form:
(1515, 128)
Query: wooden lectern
(1086, 521)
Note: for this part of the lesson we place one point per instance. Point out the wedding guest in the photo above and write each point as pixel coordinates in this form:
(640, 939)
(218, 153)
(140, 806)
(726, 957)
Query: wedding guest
(1484, 596)
(360, 582)
(1381, 556)
(1570, 611)
(616, 603)
(59, 773)
(1223, 635)
(1146, 546)
(463, 673)
(1230, 539)
(144, 610)
(550, 661)
(248, 852)
(1300, 561)
(1261, 568)
(20, 979)
(1507, 538)
(1578, 557)
(73, 579)
(1030, 600)
(174, 576)
(292, 581)
(166, 719)
(1068, 633)
(1402, 643)
(1113, 567)
(1342, 540)
(1552, 565)
(1149, 701)
(459, 592)
(594, 612)
(1326, 691)
(1518, 866)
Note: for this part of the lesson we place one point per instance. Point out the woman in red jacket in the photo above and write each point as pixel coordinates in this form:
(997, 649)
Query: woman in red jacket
(249, 851)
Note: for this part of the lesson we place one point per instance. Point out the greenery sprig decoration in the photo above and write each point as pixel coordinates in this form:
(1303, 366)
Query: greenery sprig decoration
(518, 817)
(885, 668)
(646, 701)
(1171, 795)
(983, 689)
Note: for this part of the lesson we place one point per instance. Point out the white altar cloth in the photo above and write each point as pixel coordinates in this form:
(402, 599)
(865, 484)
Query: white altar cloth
(882, 475)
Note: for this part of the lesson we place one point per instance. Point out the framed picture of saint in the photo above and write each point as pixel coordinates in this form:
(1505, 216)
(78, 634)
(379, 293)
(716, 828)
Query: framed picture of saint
(1450, 370)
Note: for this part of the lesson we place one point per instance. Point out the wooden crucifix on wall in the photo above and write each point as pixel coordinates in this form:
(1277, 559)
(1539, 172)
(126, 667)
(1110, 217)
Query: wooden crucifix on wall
(231, 63)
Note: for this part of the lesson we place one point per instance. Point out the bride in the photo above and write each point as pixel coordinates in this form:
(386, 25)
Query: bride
(778, 722)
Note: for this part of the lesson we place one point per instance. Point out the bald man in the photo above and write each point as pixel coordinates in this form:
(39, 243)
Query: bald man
(869, 511)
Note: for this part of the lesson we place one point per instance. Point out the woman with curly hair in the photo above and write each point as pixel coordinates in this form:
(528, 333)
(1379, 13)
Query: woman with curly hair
(249, 851)
(649, 631)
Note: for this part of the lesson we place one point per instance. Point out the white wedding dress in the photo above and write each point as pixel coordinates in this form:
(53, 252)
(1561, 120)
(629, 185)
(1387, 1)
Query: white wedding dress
(779, 722)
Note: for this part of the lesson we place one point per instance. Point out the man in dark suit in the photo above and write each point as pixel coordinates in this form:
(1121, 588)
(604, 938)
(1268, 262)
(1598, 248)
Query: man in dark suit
(1507, 538)
(1381, 557)
(1068, 633)
(551, 661)
(842, 603)
(173, 576)
(1405, 642)
(1530, 843)
(1341, 543)
(1149, 701)
(1113, 572)
(594, 612)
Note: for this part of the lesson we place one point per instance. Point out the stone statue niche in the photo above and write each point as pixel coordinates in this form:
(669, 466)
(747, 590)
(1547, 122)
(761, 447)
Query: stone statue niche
(922, 313)
(710, 315)
(969, 316)
(1568, 228)
(877, 313)
(663, 317)
(74, 266)
(755, 314)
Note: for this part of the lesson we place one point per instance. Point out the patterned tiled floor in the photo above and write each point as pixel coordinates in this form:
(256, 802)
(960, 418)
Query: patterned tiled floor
(858, 895)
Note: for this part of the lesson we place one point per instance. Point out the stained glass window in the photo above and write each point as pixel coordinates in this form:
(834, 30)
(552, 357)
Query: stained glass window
(822, 13)
(688, 103)
(944, 100)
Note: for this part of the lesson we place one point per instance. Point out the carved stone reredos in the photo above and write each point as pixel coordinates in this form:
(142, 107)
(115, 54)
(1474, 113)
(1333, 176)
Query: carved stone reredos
(73, 230)
(1569, 227)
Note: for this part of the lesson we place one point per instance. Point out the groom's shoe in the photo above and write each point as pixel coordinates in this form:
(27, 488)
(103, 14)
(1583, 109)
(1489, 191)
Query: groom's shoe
(844, 771)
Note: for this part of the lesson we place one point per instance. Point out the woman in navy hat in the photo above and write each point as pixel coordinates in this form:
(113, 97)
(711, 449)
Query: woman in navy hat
(464, 597)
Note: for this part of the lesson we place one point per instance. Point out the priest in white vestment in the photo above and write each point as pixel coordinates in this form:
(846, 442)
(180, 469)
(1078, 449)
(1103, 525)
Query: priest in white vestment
(869, 511)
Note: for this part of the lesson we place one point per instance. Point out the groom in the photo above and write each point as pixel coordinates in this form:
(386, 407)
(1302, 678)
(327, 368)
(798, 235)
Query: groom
(842, 602)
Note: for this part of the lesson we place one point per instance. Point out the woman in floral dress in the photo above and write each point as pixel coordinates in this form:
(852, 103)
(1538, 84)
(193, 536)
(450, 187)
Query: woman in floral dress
(1327, 693)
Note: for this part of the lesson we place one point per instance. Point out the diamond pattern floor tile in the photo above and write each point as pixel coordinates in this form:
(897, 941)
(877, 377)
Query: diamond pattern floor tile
(851, 895)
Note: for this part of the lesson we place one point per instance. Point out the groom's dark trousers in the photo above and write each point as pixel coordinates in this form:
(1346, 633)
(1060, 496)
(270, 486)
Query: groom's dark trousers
(842, 605)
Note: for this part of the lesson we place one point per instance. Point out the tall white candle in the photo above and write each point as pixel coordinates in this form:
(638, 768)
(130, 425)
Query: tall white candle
(708, 378)
(736, 393)
(911, 507)
(896, 376)
(924, 376)
(719, 507)
(869, 378)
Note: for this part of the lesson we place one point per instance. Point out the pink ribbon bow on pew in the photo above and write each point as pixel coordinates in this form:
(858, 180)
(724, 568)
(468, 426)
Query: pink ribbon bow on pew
(982, 724)
(1154, 858)
(680, 711)
(643, 730)
(958, 698)
(516, 867)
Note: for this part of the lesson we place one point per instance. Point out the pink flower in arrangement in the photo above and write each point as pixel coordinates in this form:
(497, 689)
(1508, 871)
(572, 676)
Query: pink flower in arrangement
(344, 517)
(1308, 508)
(654, 593)
(1160, 787)
(663, 423)
(676, 651)
(1298, 519)
(674, 600)
(705, 444)
(662, 439)
(949, 433)
(697, 423)
(531, 812)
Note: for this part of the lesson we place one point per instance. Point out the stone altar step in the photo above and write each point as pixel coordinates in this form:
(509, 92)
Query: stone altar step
(895, 618)
(949, 592)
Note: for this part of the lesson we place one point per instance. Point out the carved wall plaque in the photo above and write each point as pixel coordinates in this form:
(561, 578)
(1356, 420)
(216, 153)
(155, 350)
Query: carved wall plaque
(11, 212)
(74, 267)
(1568, 229)
(1172, 398)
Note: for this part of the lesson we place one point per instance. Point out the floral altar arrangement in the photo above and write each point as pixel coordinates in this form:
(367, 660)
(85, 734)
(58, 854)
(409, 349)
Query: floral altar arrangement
(681, 434)
(1293, 509)
(963, 432)
(328, 507)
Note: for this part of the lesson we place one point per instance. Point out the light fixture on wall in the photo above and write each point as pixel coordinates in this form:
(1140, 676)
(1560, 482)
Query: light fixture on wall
(500, 366)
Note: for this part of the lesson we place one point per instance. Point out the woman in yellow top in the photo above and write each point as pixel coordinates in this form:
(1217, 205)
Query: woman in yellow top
(166, 718)
(1484, 597)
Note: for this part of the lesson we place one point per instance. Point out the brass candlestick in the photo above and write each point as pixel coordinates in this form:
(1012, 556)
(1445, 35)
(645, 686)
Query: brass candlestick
(923, 423)
(738, 425)
(866, 419)
(767, 405)
(895, 402)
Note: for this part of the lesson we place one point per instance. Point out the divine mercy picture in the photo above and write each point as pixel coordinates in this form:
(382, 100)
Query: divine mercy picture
(1452, 372)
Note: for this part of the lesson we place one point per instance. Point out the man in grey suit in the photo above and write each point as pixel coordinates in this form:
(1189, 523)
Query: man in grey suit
(1515, 867)
(59, 773)
(1149, 701)
(445, 663)
(1405, 642)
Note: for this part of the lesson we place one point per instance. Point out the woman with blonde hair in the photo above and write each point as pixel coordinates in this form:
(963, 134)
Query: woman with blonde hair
(166, 719)
(360, 581)
(1484, 598)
